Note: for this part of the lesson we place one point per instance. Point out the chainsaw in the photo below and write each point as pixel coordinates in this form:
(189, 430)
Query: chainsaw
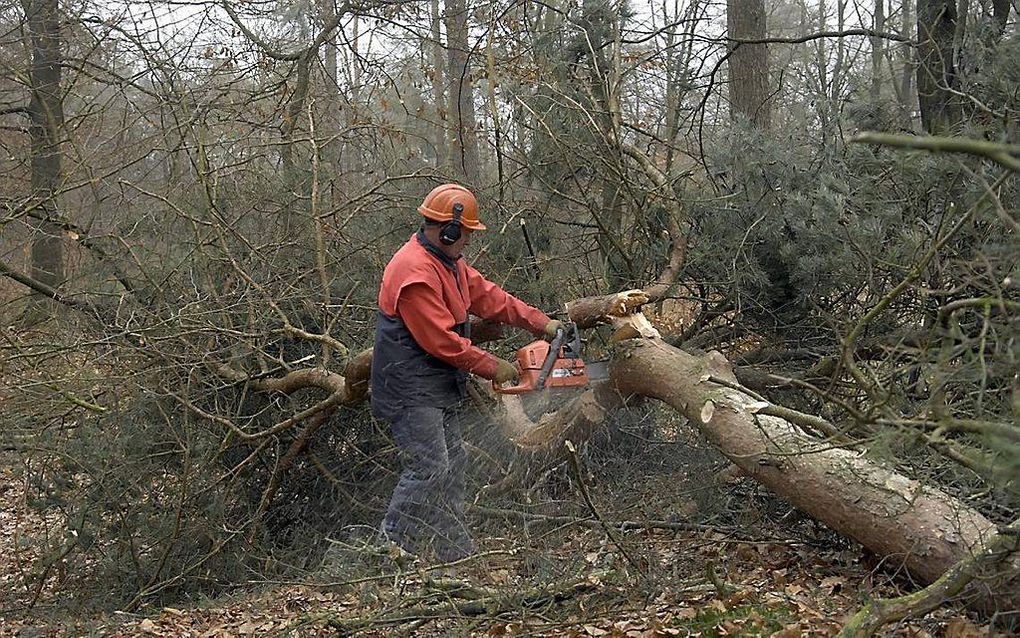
(554, 364)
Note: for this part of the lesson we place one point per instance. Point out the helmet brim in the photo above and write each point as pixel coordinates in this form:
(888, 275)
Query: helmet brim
(436, 216)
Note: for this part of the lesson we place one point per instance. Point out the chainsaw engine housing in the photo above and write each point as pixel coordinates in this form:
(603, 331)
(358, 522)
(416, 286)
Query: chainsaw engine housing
(543, 365)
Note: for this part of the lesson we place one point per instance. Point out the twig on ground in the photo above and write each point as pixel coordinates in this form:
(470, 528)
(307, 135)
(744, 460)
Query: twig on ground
(587, 499)
(879, 612)
(492, 606)
(679, 526)
(722, 588)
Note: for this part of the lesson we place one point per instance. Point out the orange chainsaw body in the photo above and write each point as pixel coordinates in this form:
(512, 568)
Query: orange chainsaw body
(565, 372)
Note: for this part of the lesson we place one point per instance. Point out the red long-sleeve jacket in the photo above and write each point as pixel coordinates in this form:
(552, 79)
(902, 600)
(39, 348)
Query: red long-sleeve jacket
(432, 300)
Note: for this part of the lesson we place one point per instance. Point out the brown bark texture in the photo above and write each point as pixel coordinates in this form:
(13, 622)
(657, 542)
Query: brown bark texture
(749, 63)
(464, 155)
(46, 115)
(936, 71)
(910, 524)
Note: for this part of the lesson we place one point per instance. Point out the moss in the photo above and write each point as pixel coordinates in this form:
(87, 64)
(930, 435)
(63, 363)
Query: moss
(750, 620)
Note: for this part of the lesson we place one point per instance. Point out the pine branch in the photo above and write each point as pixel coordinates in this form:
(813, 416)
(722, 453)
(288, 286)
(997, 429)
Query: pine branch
(1008, 155)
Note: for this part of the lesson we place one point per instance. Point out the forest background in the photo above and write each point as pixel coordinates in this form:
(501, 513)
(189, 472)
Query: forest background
(198, 200)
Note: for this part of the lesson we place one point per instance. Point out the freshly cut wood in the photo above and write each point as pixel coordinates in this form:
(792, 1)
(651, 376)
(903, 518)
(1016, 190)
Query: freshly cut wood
(608, 309)
(582, 415)
(576, 419)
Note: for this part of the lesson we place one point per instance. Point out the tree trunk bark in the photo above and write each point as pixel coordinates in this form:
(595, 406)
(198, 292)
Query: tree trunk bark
(440, 126)
(877, 45)
(907, 88)
(1000, 16)
(749, 63)
(936, 71)
(822, 66)
(835, 97)
(46, 115)
(914, 525)
(330, 52)
(462, 105)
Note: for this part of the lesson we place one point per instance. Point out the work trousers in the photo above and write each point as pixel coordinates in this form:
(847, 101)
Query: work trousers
(427, 507)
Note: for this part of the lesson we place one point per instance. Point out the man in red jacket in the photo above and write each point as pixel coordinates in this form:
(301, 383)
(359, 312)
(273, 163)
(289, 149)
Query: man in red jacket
(423, 354)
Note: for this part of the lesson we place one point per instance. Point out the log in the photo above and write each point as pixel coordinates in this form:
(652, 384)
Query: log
(911, 524)
(923, 529)
(608, 309)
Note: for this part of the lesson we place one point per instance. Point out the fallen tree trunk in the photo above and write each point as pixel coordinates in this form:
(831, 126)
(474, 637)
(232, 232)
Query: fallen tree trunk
(911, 524)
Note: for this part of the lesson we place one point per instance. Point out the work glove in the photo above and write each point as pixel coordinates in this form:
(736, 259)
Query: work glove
(505, 371)
(551, 328)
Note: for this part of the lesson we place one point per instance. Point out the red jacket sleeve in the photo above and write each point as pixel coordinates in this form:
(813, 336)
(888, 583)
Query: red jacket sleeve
(430, 322)
(489, 301)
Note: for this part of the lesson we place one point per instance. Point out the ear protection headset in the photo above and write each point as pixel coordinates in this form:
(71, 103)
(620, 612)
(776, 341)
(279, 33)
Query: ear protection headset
(450, 233)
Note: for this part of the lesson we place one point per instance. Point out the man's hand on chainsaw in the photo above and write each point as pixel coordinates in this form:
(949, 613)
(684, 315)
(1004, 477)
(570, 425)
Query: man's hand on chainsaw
(551, 328)
(505, 371)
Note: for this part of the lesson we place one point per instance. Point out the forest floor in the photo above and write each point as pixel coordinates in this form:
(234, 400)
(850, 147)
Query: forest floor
(773, 574)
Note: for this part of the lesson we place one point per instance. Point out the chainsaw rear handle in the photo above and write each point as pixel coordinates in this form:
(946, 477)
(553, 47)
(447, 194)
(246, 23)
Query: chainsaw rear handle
(520, 388)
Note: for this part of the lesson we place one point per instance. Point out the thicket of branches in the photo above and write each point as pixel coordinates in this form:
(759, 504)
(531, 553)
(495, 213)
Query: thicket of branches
(198, 203)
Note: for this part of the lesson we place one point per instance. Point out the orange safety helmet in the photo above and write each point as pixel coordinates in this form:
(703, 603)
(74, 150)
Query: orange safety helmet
(438, 205)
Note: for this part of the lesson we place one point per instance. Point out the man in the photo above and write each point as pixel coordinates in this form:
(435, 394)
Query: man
(422, 356)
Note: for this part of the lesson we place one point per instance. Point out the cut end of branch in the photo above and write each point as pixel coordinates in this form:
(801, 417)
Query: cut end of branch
(707, 412)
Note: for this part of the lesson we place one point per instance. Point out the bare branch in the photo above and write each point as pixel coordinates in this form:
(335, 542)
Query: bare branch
(1008, 155)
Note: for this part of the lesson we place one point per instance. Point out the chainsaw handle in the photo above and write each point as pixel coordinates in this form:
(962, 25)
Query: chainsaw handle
(550, 359)
(520, 388)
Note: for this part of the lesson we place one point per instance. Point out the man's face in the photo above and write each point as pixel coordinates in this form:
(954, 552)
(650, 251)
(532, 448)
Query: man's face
(456, 248)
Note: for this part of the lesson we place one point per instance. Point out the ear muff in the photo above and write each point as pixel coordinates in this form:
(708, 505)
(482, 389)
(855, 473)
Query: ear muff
(450, 233)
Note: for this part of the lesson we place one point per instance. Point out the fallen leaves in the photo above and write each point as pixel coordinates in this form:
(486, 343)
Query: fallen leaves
(779, 589)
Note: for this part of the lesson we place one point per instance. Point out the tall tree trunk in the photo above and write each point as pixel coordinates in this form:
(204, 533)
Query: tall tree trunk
(355, 62)
(836, 91)
(907, 88)
(877, 45)
(464, 154)
(749, 63)
(46, 114)
(1000, 16)
(822, 65)
(936, 71)
(331, 115)
(440, 126)
(330, 50)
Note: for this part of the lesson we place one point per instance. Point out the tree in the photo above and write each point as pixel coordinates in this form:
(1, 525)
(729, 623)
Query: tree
(906, 88)
(464, 150)
(750, 88)
(936, 68)
(440, 125)
(877, 49)
(46, 116)
(857, 302)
